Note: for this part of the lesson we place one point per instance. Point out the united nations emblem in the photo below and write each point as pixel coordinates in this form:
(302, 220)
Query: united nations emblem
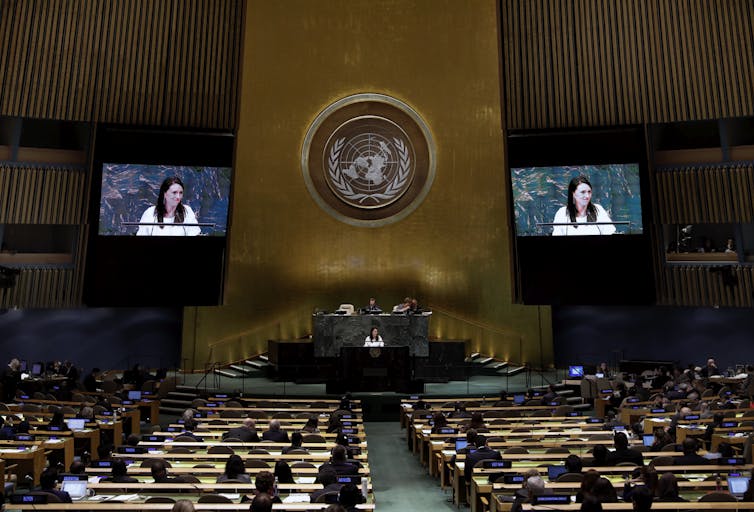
(368, 160)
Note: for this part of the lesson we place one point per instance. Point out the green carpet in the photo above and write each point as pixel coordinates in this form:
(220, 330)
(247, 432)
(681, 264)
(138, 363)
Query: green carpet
(400, 483)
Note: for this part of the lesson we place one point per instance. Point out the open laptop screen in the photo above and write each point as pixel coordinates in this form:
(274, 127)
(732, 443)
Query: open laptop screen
(737, 485)
(76, 423)
(76, 488)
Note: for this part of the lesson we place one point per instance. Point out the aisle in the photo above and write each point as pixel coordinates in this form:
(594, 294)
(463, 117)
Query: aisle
(400, 483)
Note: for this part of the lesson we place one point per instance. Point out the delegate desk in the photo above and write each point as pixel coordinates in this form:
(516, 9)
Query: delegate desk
(692, 489)
(333, 332)
(29, 459)
(239, 507)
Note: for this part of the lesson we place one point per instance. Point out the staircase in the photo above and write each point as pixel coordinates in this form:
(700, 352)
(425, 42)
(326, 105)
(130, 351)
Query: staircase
(177, 401)
(253, 367)
(485, 365)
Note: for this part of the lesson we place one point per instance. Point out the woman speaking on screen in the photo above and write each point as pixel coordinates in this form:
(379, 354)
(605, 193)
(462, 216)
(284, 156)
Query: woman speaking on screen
(169, 216)
(580, 209)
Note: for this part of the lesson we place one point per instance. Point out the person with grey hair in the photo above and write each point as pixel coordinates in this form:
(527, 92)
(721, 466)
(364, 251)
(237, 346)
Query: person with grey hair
(536, 485)
(533, 486)
(183, 506)
(246, 433)
(11, 378)
(274, 433)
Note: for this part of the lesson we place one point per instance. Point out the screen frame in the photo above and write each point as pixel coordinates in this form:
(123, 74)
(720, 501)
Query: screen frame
(546, 269)
(139, 279)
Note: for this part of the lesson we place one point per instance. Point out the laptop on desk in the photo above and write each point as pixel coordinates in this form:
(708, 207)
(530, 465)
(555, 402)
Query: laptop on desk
(737, 486)
(76, 423)
(77, 489)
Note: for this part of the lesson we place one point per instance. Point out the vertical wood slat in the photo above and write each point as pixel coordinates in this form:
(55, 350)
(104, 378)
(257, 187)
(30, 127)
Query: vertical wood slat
(124, 61)
(719, 194)
(591, 63)
(36, 195)
(41, 288)
(696, 285)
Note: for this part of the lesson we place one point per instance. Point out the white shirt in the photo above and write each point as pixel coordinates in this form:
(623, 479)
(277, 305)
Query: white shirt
(586, 229)
(369, 343)
(169, 229)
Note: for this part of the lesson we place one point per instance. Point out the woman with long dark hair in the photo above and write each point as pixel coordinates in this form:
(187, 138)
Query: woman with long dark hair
(580, 209)
(168, 212)
(234, 470)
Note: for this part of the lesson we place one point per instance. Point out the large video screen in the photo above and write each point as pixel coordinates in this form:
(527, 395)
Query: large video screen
(164, 200)
(160, 206)
(577, 200)
(578, 212)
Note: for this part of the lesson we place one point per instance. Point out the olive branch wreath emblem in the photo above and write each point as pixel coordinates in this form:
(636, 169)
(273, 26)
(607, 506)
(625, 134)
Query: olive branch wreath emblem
(393, 188)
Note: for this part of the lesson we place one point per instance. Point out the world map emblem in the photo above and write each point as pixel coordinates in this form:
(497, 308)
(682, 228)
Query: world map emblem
(368, 160)
(372, 167)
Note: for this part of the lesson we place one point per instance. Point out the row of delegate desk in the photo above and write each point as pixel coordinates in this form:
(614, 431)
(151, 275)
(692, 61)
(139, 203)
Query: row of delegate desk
(573, 433)
(199, 460)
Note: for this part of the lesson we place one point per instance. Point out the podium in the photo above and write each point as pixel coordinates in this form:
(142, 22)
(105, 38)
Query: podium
(375, 369)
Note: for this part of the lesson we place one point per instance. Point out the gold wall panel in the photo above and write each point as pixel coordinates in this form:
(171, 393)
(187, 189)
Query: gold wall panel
(156, 62)
(570, 63)
(287, 256)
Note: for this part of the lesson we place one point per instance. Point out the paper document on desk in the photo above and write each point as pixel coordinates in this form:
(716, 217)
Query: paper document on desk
(124, 497)
(296, 498)
(305, 479)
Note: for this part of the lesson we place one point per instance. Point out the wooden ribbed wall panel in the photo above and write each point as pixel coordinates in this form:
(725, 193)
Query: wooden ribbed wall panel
(155, 62)
(42, 288)
(711, 194)
(725, 286)
(591, 62)
(38, 195)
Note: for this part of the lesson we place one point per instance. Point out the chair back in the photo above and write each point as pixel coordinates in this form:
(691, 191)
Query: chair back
(214, 498)
(348, 308)
(718, 496)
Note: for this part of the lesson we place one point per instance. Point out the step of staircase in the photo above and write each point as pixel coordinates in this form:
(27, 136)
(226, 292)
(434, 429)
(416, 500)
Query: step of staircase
(493, 367)
(510, 371)
(243, 368)
(177, 411)
(169, 402)
(182, 388)
(185, 395)
(227, 372)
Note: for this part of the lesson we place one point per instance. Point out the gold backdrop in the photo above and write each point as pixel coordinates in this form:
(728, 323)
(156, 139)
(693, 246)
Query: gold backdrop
(287, 256)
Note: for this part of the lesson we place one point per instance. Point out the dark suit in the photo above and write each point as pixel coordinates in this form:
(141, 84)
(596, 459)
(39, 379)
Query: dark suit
(62, 495)
(482, 453)
(330, 488)
(120, 480)
(342, 468)
(625, 455)
(275, 436)
(693, 459)
(245, 434)
(191, 435)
